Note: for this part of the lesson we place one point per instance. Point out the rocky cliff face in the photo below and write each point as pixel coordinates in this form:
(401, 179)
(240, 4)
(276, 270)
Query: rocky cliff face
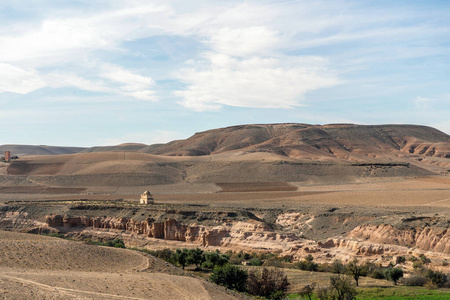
(363, 241)
(251, 234)
(367, 241)
(436, 239)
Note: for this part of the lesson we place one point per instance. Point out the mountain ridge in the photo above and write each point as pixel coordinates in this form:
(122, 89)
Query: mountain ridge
(298, 140)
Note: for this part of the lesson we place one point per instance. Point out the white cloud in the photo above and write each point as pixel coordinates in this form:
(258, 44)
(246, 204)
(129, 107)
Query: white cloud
(131, 84)
(422, 102)
(111, 79)
(17, 80)
(59, 80)
(252, 82)
(96, 30)
(243, 41)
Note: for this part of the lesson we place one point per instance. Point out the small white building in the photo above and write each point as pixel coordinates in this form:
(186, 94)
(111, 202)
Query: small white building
(146, 198)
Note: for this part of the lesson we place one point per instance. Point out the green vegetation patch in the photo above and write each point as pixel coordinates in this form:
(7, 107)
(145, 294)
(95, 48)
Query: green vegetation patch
(402, 292)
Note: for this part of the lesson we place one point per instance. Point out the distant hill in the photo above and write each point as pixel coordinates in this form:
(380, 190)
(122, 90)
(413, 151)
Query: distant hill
(26, 150)
(346, 141)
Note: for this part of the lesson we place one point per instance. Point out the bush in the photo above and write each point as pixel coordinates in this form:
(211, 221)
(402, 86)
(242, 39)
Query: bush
(230, 276)
(208, 265)
(417, 265)
(415, 280)
(255, 262)
(216, 259)
(341, 288)
(436, 277)
(337, 267)
(56, 234)
(196, 257)
(117, 243)
(325, 293)
(307, 264)
(424, 259)
(165, 254)
(273, 262)
(378, 274)
(394, 274)
(308, 290)
(269, 283)
(400, 260)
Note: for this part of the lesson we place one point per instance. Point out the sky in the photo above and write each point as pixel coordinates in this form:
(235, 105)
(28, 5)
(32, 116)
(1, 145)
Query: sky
(105, 72)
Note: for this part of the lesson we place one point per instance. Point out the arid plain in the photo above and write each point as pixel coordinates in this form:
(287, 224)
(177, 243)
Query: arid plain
(334, 191)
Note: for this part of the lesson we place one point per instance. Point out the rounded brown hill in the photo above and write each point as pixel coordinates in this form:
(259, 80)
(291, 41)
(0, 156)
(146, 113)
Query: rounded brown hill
(302, 140)
(39, 267)
(248, 153)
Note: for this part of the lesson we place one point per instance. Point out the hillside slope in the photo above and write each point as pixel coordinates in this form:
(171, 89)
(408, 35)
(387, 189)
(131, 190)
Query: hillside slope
(345, 141)
(25, 150)
(248, 153)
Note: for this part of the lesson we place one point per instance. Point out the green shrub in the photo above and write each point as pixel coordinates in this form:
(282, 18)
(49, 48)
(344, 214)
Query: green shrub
(436, 277)
(425, 260)
(393, 274)
(116, 243)
(378, 274)
(181, 257)
(255, 262)
(196, 257)
(414, 280)
(337, 267)
(165, 254)
(269, 283)
(230, 276)
(341, 288)
(215, 259)
(400, 260)
(307, 264)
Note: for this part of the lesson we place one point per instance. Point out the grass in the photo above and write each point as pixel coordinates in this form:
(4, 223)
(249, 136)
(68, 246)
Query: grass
(395, 293)
(402, 292)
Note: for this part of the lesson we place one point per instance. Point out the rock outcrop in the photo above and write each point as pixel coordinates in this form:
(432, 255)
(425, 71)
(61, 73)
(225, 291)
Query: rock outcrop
(436, 239)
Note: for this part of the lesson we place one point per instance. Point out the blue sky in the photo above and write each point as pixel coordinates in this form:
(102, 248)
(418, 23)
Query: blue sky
(105, 72)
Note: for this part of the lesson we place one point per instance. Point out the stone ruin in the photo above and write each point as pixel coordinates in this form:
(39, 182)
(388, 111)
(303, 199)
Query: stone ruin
(146, 198)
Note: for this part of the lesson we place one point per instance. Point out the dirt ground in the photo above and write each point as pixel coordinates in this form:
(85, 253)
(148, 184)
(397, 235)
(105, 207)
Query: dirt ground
(39, 267)
(393, 192)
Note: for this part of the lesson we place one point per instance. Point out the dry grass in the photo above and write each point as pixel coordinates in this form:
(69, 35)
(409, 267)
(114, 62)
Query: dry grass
(299, 279)
(256, 187)
(39, 267)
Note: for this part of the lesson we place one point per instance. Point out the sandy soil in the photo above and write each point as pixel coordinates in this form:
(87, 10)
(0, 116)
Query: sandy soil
(393, 192)
(39, 267)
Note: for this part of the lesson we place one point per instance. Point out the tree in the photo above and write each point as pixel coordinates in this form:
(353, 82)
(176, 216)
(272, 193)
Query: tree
(307, 264)
(181, 256)
(394, 274)
(436, 277)
(308, 290)
(354, 270)
(269, 283)
(196, 257)
(342, 288)
(337, 267)
(230, 276)
(213, 259)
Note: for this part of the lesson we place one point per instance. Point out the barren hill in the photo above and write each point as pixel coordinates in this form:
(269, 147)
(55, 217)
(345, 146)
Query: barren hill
(248, 153)
(345, 141)
(24, 150)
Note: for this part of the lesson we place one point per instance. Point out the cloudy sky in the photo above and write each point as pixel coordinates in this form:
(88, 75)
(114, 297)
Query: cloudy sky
(103, 72)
